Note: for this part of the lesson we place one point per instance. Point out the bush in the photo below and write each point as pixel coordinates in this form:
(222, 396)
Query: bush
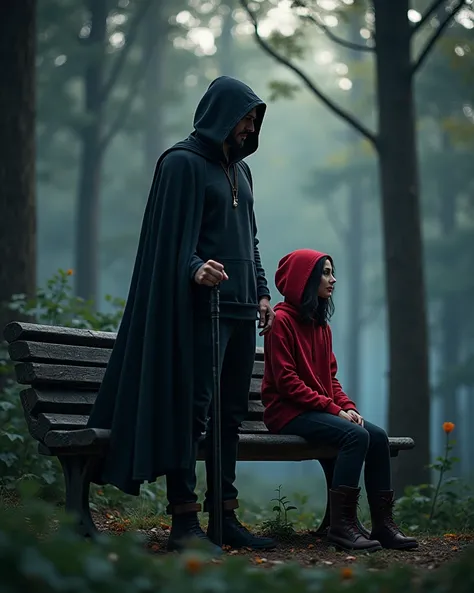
(39, 553)
(446, 506)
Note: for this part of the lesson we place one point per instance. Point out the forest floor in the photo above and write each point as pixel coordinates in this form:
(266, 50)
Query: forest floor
(307, 549)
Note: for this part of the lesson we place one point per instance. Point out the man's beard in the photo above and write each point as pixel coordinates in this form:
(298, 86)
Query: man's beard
(232, 141)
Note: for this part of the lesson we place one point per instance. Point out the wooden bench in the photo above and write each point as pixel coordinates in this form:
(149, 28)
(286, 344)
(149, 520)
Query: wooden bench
(62, 369)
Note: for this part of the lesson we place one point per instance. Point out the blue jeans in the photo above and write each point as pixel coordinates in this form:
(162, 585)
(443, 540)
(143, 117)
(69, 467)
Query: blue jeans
(355, 443)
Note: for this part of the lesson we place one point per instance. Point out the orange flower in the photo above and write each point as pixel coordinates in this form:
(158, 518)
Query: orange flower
(448, 427)
(193, 565)
(346, 573)
(69, 272)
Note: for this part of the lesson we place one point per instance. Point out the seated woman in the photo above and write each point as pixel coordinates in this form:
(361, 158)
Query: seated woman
(303, 397)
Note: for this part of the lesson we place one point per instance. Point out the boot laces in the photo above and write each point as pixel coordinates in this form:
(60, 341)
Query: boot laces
(350, 517)
(388, 519)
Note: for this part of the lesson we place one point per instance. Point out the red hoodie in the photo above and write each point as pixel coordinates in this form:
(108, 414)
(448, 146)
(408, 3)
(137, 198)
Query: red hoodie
(300, 366)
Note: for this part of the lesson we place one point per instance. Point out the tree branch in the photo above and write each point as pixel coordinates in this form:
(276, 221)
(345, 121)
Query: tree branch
(333, 37)
(428, 14)
(339, 111)
(124, 110)
(123, 55)
(434, 37)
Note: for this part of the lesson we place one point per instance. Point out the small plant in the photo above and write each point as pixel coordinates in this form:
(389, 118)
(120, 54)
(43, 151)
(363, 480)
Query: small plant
(448, 506)
(443, 464)
(280, 525)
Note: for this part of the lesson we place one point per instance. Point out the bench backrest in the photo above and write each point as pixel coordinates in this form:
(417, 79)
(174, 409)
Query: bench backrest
(63, 369)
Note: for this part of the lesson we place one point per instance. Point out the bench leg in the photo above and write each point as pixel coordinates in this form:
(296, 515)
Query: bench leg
(328, 469)
(77, 472)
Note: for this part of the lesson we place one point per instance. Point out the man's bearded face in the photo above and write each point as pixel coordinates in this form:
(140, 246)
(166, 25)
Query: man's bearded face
(245, 127)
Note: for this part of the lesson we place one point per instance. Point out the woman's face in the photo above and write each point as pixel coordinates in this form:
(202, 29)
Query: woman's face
(326, 286)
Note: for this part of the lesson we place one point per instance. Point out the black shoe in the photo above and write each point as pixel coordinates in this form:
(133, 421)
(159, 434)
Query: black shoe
(235, 535)
(186, 531)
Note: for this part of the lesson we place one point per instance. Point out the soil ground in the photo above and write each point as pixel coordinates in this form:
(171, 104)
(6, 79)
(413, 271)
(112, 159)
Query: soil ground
(307, 549)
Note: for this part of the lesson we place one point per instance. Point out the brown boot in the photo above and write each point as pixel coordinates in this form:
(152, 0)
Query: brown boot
(344, 530)
(384, 527)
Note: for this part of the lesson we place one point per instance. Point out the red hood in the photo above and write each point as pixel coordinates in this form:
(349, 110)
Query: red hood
(293, 272)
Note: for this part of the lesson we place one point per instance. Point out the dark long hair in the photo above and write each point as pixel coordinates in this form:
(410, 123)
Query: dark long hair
(314, 308)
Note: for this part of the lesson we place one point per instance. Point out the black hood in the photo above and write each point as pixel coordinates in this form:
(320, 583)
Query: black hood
(224, 104)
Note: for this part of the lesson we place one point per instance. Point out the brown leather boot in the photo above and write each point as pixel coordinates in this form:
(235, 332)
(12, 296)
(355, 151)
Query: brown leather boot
(344, 530)
(384, 527)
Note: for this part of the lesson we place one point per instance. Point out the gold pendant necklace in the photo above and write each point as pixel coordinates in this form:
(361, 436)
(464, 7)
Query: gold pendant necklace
(233, 185)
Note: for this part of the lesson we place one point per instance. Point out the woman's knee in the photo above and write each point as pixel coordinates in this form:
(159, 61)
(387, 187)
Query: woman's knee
(357, 436)
(377, 435)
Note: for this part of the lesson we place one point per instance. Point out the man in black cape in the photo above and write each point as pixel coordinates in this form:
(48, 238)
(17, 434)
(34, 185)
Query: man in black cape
(198, 230)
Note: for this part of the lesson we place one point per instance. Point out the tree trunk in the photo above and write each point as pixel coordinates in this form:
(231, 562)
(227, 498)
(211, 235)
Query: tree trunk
(354, 292)
(225, 48)
(87, 221)
(17, 155)
(355, 238)
(155, 44)
(450, 322)
(409, 392)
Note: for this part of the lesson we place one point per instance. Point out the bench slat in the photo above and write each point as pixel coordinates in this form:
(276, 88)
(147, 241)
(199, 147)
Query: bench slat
(68, 422)
(36, 401)
(87, 377)
(253, 427)
(22, 351)
(87, 437)
(25, 351)
(255, 410)
(252, 447)
(36, 373)
(19, 330)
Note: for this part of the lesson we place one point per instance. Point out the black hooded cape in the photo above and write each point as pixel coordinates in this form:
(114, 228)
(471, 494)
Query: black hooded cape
(147, 392)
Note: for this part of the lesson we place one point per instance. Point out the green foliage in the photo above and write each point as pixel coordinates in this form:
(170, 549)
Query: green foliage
(19, 459)
(280, 525)
(39, 553)
(448, 506)
(56, 305)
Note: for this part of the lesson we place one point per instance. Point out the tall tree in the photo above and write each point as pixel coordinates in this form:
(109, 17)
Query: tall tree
(395, 145)
(94, 137)
(17, 154)
(155, 45)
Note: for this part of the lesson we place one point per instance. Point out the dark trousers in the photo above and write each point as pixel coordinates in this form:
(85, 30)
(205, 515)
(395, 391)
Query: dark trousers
(356, 444)
(237, 354)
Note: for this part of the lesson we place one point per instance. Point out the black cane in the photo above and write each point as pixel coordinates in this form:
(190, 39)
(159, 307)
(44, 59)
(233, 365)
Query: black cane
(216, 418)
